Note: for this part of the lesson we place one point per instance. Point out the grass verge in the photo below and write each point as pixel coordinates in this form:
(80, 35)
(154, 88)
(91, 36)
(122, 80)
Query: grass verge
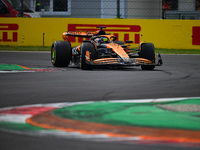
(178, 51)
(48, 48)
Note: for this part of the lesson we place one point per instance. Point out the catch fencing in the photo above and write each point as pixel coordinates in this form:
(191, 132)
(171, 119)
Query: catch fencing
(130, 9)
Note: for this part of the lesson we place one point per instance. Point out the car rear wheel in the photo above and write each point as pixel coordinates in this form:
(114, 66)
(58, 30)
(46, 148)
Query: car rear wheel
(87, 55)
(148, 52)
(61, 53)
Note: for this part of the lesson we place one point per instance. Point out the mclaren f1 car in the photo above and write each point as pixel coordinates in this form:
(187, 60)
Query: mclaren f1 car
(102, 49)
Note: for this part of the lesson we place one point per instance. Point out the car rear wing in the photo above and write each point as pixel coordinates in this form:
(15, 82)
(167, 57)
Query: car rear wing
(84, 34)
(79, 34)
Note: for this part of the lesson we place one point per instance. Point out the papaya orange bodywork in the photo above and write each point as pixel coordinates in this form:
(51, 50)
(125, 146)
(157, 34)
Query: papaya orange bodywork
(87, 56)
(116, 53)
(118, 50)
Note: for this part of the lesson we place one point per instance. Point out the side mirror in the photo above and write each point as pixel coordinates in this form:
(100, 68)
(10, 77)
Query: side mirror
(129, 41)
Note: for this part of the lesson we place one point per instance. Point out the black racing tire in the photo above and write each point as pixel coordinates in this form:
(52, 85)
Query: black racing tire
(61, 53)
(148, 52)
(85, 64)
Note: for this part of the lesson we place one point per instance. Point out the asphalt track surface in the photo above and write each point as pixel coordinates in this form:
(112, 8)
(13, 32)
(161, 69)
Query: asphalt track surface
(178, 77)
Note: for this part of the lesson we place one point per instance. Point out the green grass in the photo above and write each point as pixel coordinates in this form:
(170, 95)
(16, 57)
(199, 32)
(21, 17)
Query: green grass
(48, 48)
(178, 51)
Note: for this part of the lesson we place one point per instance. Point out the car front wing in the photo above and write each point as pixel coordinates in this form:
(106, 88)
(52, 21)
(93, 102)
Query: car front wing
(126, 62)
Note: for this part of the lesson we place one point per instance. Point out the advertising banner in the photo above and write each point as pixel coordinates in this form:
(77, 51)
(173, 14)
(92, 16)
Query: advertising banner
(171, 34)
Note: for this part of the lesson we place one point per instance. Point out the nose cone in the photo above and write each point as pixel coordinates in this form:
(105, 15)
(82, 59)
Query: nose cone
(126, 60)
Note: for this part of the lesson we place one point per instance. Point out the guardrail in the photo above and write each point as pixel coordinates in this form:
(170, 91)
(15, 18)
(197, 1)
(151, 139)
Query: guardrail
(191, 15)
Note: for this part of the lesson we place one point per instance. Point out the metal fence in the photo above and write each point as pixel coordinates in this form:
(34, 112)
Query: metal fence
(138, 9)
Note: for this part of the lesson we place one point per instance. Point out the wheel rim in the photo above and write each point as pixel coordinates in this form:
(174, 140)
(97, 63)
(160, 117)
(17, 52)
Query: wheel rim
(53, 55)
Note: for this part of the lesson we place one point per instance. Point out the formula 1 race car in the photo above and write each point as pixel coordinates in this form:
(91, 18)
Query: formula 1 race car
(102, 49)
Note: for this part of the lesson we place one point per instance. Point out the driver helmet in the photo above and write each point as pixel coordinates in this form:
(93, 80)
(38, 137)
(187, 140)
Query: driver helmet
(104, 40)
(101, 40)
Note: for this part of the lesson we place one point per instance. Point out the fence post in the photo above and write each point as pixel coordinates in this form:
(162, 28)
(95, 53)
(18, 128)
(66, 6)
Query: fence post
(21, 9)
(118, 8)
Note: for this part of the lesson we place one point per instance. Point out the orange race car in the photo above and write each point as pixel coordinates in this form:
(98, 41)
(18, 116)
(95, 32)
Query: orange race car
(102, 49)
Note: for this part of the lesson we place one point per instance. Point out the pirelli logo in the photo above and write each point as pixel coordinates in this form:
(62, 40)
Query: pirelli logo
(8, 32)
(196, 35)
(128, 30)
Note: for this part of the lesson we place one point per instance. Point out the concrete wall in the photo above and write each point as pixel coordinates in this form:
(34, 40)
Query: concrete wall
(186, 5)
(144, 9)
(85, 9)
